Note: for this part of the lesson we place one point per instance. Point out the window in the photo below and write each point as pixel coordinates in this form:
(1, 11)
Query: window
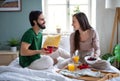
(58, 13)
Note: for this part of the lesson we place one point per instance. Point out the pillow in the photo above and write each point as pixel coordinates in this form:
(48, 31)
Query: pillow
(52, 40)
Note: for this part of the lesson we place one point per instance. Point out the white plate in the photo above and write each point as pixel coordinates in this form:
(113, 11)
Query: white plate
(90, 61)
(82, 72)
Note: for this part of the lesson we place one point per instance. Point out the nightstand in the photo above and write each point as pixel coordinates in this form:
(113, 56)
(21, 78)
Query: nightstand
(7, 56)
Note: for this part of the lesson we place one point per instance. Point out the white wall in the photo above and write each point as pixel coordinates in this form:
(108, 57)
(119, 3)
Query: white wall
(104, 24)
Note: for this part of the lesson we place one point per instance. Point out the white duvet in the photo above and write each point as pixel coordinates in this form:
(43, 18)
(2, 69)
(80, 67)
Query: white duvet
(14, 72)
(9, 73)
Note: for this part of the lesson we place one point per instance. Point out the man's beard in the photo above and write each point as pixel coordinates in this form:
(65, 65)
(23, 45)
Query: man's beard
(40, 26)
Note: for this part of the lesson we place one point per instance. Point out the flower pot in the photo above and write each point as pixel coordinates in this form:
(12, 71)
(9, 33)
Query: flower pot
(13, 49)
(58, 30)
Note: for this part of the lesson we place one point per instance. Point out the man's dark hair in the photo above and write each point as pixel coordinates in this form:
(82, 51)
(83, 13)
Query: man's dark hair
(34, 16)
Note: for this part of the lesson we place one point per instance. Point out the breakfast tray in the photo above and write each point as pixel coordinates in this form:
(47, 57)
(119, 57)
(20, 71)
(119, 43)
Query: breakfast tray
(107, 76)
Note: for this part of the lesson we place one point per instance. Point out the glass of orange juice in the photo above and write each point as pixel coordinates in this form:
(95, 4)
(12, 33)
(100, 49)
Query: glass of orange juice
(75, 59)
(71, 67)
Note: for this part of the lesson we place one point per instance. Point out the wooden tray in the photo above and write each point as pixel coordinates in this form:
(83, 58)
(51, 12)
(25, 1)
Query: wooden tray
(108, 75)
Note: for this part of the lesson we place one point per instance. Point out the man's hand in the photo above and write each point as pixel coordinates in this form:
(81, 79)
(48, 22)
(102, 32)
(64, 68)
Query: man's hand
(50, 49)
(55, 48)
(44, 51)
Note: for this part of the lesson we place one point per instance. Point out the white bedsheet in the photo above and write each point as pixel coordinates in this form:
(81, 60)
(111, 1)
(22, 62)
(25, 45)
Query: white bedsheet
(19, 74)
(14, 72)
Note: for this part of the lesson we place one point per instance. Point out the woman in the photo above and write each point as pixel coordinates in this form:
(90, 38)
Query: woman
(85, 39)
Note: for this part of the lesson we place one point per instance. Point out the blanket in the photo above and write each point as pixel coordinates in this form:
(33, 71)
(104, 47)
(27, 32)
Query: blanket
(14, 72)
(9, 73)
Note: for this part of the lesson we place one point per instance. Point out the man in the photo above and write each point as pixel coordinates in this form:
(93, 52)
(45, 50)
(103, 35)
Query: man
(31, 42)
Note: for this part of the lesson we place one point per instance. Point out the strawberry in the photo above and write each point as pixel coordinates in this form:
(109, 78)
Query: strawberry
(83, 66)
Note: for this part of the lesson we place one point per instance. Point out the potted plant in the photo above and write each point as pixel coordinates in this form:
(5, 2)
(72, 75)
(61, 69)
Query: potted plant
(13, 43)
(114, 56)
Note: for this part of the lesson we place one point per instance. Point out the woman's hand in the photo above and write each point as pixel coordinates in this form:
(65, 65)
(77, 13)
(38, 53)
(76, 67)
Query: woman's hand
(95, 55)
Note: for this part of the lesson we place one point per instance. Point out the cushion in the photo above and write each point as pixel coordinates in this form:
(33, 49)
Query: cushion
(52, 40)
(65, 43)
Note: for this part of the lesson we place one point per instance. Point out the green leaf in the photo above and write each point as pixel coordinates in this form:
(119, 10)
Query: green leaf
(106, 56)
(111, 59)
(117, 52)
(13, 42)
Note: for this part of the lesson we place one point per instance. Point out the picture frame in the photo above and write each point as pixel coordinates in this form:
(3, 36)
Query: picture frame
(10, 5)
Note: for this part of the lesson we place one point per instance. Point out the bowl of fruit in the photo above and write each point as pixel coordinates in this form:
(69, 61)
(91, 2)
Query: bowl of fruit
(91, 59)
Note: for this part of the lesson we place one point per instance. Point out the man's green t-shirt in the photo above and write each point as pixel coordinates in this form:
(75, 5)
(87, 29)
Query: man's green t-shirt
(35, 42)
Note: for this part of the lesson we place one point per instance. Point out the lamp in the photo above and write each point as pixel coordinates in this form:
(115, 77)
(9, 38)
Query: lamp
(112, 4)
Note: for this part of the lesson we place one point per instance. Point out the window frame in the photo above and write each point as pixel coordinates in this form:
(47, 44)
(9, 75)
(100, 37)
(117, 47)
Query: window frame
(45, 9)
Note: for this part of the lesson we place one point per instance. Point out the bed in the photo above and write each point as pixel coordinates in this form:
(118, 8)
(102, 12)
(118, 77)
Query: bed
(14, 72)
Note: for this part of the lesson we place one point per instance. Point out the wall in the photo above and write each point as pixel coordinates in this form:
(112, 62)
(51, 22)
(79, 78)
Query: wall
(104, 24)
(13, 24)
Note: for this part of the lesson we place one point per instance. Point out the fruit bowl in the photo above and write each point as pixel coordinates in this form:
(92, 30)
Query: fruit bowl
(91, 60)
